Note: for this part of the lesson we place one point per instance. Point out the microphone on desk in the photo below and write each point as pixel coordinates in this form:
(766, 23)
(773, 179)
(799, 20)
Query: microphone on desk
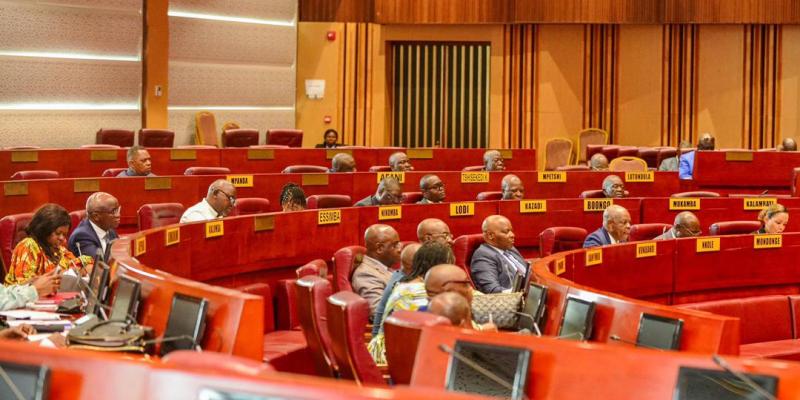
(722, 363)
(533, 321)
(616, 338)
(472, 364)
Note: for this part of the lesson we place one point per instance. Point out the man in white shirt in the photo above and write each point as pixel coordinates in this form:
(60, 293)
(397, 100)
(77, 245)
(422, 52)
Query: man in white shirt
(93, 235)
(219, 202)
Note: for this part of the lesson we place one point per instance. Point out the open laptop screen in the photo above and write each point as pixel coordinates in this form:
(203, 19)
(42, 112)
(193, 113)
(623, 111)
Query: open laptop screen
(509, 365)
(31, 381)
(186, 318)
(711, 384)
(126, 299)
(576, 323)
(659, 332)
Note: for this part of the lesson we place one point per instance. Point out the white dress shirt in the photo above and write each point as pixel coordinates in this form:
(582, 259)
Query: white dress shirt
(201, 211)
(101, 234)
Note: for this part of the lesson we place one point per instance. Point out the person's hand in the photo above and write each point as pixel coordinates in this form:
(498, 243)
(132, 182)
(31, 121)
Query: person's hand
(47, 284)
(17, 333)
(488, 327)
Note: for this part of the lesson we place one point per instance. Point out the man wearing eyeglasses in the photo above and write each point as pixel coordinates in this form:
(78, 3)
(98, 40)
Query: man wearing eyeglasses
(496, 262)
(95, 233)
(434, 229)
(685, 225)
(432, 189)
(219, 202)
(389, 192)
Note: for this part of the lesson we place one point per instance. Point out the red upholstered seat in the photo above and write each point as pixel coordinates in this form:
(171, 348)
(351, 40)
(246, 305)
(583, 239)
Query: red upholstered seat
(328, 201)
(316, 267)
(610, 151)
(100, 146)
(251, 205)
(463, 247)
(695, 194)
(560, 238)
(118, 137)
(207, 171)
(311, 295)
(627, 151)
(286, 137)
(239, 138)
(34, 174)
(402, 330)
(189, 360)
(763, 319)
(348, 314)
(589, 137)
(627, 163)
(649, 155)
(795, 173)
(411, 197)
(665, 153)
(580, 167)
(557, 153)
(593, 149)
(159, 214)
(343, 266)
(473, 168)
(305, 169)
(733, 227)
(484, 196)
(647, 231)
(380, 168)
(593, 194)
(112, 172)
(156, 138)
(12, 230)
(75, 218)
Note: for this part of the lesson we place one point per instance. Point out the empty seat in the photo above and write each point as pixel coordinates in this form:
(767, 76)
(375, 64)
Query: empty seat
(647, 231)
(411, 197)
(588, 137)
(190, 359)
(205, 129)
(75, 218)
(317, 267)
(328, 201)
(560, 238)
(649, 155)
(34, 174)
(286, 137)
(695, 194)
(463, 247)
(557, 153)
(402, 330)
(380, 168)
(156, 138)
(473, 168)
(485, 196)
(628, 164)
(159, 214)
(12, 230)
(733, 228)
(343, 261)
(628, 151)
(118, 137)
(207, 171)
(592, 194)
(305, 169)
(348, 314)
(311, 294)
(239, 138)
(251, 205)
(112, 172)
(610, 151)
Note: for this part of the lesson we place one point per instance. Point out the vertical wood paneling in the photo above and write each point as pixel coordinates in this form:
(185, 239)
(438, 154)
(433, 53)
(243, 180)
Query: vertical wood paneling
(356, 81)
(599, 77)
(679, 83)
(519, 77)
(789, 78)
(761, 86)
(639, 86)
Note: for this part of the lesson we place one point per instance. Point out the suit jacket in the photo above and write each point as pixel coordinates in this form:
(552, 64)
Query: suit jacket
(367, 201)
(599, 237)
(87, 237)
(490, 270)
(670, 234)
(369, 281)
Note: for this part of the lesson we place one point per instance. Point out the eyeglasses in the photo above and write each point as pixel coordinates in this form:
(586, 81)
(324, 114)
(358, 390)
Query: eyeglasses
(231, 198)
(467, 282)
(114, 212)
(444, 235)
(683, 231)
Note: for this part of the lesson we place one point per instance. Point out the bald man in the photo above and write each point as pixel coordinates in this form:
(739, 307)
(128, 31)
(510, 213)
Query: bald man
(389, 192)
(95, 233)
(788, 144)
(452, 306)
(372, 275)
(512, 188)
(219, 202)
(444, 278)
(493, 161)
(432, 189)
(406, 262)
(399, 162)
(613, 187)
(616, 228)
(433, 229)
(598, 162)
(496, 263)
(685, 225)
(343, 162)
(686, 167)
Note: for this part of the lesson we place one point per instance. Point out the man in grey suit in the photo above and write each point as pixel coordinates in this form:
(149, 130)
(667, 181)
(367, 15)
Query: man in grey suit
(496, 262)
(371, 276)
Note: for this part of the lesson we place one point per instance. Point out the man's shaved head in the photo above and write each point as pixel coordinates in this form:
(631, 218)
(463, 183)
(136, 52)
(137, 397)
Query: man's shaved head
(407, 257)
(431, 229)
(343, 162)
(448, 278)
(382, 243)
(452, 306)
(498, 232)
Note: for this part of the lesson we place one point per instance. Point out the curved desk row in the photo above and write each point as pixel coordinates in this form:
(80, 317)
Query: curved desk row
(74, 163)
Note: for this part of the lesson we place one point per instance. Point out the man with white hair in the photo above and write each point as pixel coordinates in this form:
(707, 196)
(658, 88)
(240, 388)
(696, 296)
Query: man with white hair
(94, 234)
(218, 203)
(616, 228)
(493, 161)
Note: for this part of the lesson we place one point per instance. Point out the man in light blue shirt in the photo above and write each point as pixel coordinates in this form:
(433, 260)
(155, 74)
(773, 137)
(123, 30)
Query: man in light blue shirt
(686, 167)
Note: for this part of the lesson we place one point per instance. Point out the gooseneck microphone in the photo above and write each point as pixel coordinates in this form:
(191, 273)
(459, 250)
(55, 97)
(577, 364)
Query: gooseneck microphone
(742, 377)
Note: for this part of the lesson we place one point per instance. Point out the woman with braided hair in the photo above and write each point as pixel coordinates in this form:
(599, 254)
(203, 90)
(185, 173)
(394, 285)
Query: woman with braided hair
(292, 197)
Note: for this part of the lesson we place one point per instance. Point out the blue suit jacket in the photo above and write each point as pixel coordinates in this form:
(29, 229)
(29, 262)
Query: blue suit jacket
(597, 238)
(686, 166)
(86, 236)
(489, 270)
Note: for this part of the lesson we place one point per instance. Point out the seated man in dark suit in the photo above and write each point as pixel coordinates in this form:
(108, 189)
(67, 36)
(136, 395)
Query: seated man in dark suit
(496, 262)
(94, 234)
(139, 163)
(616, 228)
(399, 162)
(512, 188)
(389, 192)
(432, 189)
(493, 161)
(343, 162)
(686, 225)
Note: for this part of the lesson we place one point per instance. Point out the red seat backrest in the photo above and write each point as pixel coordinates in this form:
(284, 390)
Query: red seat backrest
(560, 238)
(190, 359)
(263, 290)
(647, 231)
(251, 205)
(343, 266)
(286, 137)
(12, 230)
(649, 155)
(316, 267)
(75, 218)
(157, 138)
(402, 330)
(34, 174)
(305, 169)
(159, 214)
(733, 227)
(484, 196)
(311, 295)
(665, 153)
(207, 171)
(118, 137)
(380, 168)
(592, 149)
(592, 194)
(473, 168)
(239, 138)
(328, 201)
(627, 151)
(610, 151)
(112, 172)
(763, 319)
(348, 314)
(411, 197)
(695, 194)
(463, 247)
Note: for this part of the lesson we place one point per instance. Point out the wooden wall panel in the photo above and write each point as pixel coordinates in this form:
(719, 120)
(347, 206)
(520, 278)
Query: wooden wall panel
(789, 93)
(720, 85)
(679, 84)
(600, 55)
(639, 87)
(589, 11)
(761, 86)
(442, 11)
(519, 85)
(732, 11)
(336, 10)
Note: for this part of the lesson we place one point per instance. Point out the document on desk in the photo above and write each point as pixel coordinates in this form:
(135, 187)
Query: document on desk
(18, 322)
(30, 315)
